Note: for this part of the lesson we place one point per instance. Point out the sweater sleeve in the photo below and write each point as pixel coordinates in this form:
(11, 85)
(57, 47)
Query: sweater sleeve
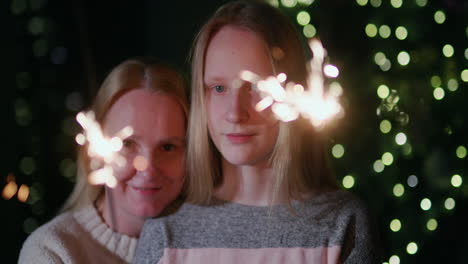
(150, 247)
(361, 243)
(35, 251)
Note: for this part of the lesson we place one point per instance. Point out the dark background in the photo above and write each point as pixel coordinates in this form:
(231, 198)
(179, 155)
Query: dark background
(56, 53)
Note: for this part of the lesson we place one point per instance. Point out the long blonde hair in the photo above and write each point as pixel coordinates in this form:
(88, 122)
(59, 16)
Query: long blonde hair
(299, 161)
(129, 75)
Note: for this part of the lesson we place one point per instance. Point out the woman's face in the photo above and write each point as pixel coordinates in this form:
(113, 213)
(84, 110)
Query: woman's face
(242, 135)
(154, 153)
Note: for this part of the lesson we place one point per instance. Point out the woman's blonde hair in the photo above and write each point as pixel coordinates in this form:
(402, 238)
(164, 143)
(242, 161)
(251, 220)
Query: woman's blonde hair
(129, 75)
(299, 161)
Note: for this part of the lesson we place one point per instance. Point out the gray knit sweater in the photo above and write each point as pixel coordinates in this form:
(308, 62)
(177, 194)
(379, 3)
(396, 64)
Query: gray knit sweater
(329, 228)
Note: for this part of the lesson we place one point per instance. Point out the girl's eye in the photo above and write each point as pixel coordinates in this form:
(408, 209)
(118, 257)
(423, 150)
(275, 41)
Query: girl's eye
(168, 147)
(219, 88)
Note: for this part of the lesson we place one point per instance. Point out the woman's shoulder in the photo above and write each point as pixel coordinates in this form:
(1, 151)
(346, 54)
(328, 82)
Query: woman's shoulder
(47, 242)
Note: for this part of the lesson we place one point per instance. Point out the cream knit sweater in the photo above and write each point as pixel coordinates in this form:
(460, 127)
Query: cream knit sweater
(77, 237)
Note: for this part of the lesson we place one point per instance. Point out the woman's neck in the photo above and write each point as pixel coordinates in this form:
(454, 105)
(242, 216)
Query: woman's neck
(117, 219)
(251, 185)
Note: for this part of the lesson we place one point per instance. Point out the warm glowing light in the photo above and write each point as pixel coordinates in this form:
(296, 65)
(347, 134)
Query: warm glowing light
(461, 152)
(401, 33)
(398, 190)
(331, 71)
(394, 260)
(338, 151)
(103, 149)
(80, 139)
(426, 204)
(439, 93)
(385, 31)
(387, 158)
(448, 50)
(378, 166)
(395, 225)
(309, 31)
(371, 30)
(348, 181)
(439, 17)
(385, 126)
(335, 89)
(412, 181)
(403, 58)
(431, 224)
(288, 103)
(23, 193)
(303, 18)
(412, 248)
(9, 190)
(140, 163)
(456, 180)
(449, 203)
(400, 138)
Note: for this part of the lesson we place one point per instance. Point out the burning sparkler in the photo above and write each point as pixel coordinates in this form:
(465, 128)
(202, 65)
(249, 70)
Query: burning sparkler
(101, 148)
(289, 101)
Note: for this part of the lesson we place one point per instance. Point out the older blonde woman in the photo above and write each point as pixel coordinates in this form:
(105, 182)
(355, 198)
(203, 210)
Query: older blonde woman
(101, 224)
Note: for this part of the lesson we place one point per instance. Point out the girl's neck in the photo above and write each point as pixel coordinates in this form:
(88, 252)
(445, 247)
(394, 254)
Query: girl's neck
(251, 185)
(117, 219)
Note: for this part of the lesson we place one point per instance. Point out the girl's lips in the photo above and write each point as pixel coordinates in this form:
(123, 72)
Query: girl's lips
(237, 138)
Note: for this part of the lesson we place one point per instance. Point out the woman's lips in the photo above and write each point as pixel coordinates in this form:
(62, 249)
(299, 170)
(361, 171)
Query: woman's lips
(239, 138)
(146, 190)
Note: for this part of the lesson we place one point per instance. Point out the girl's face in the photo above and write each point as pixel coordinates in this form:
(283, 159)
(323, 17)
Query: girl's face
(156, 148)
(241, 134)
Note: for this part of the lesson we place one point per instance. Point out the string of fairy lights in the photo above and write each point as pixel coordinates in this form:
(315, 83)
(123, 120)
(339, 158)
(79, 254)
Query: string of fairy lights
(392, 119)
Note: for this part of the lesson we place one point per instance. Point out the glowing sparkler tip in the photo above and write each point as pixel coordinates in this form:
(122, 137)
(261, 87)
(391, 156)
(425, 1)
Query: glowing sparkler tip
(281, 77)
(80, 139)
(331, 71)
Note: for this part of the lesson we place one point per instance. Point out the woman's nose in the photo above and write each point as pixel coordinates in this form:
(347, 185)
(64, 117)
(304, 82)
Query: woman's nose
(146, 165)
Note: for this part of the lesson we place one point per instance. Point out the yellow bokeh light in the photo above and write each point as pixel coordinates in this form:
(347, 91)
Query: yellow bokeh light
(431, 224)
(448, 50)
(362, 2)
(403, 58)
(378, 166)
(348, 181)
(400, 138)
(386, 65)
(449, 203)
(407, 149)
(439, 93)
(412, 248)
(396, 3)
(395, 225)
(309, 31)
(338, 151)
(464, 75)
(452, 85)
(461, 152)
(385, 126)
(456, 180)
(387, 158)
(274, 3)
(289, 3)
(421, 3)
(380, 58)
(385, 31)
(383, 91)
(466, 53)
(371, 30)
(426, 204)
(376, 3)
(394, 260)
(398, 190)
(303, 18)
(401, 33)
(9, 190)
(23, 193)
(305, 2)
(436, 81)
(439, 17)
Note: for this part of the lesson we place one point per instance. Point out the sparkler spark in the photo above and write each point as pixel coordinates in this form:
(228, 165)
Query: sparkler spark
(290, 100)
(101, 148)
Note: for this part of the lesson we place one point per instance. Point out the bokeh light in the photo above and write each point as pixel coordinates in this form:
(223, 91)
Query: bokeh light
(436, 81)
(401, 33)
(338, 151)
(27, 165)
(378, 166)
(456, 180)
(448, 50)
(464, 75)
(412, 181)
(461, 152)
(421, 3)
(309, 31)
(376, 3)
(383, 91)
(412, 248)
(385, 31)
(403, 58)
(9, 190)
(426, 204)
(396, 3)
(398, 190)
(394, 259)
(362, 2)
(348, 181)
(380, 58)
(387, 158)
(331, 71)
(371, 30)
(395, 225)
(452, 85)
(439, 93)
(431, 224)
(439, 17)
(303, 18)
(289, 3)
(400, 138)
(385, 126)
(23, 193)
(449, 203)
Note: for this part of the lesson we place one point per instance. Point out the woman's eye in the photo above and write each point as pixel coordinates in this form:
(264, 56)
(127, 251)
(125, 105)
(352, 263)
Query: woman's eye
(219, 88)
